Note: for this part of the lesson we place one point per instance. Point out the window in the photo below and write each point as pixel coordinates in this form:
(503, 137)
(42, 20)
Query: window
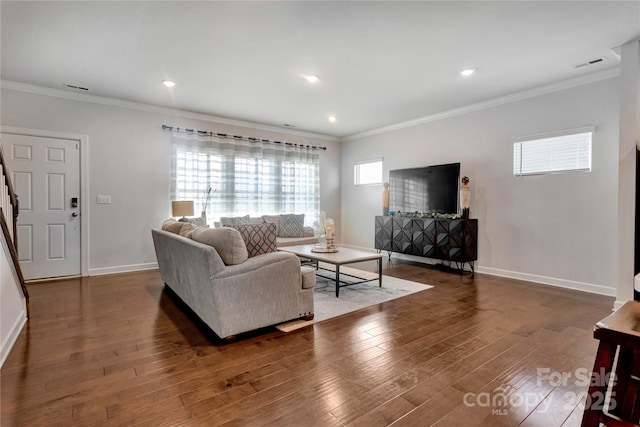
(554, 153)
(245, 177)
(367, 172)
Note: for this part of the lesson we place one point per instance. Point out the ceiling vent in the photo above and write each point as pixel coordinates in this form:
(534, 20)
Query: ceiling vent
(592, 62)
(75, 87)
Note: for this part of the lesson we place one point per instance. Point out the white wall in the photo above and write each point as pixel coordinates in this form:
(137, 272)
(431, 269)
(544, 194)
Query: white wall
(557, 229)
(129, 159)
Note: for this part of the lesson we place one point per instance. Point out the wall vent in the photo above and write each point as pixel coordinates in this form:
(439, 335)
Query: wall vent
(75, 87)
(592, 62)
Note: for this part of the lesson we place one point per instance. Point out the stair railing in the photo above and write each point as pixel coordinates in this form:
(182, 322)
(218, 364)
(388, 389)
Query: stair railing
(9, 212)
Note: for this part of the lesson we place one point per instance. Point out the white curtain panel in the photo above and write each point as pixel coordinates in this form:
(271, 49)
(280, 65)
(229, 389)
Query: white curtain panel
(246, 177)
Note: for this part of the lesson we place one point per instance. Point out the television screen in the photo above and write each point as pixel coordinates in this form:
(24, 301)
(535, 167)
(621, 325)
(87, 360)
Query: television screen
(431, 188)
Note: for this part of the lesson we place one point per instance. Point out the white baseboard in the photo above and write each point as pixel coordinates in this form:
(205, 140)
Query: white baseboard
(545, 280)
(13, 336)
(122, 269)
(551, 281)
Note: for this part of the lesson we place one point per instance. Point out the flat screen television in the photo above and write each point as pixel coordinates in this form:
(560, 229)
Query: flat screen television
(431, 188)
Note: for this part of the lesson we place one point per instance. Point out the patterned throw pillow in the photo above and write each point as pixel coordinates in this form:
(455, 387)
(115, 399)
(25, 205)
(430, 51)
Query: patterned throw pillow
(291, 225)
(259, 238)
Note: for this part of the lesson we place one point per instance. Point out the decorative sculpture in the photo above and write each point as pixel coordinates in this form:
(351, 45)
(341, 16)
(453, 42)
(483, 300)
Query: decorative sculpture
(465, 197)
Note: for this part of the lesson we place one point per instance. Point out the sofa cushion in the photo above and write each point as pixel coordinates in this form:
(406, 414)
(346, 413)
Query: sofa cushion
(173, 226)
(259, 238)
(291, 225)
(226, 221)
(296, 241)
(226, 241)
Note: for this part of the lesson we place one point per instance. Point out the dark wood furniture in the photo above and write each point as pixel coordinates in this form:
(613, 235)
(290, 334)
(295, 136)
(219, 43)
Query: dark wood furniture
(450, 240)
(619, 406)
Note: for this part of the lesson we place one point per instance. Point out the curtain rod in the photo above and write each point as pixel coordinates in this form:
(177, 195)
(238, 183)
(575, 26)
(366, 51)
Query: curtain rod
(243, 138)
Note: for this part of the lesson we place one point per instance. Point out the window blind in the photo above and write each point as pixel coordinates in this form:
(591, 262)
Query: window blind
(367, 172)
(557, 154)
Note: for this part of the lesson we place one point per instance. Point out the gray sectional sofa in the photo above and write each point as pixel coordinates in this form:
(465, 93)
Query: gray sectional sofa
(230, 292)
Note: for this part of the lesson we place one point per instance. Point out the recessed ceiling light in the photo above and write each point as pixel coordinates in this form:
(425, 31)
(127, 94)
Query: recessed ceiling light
(467, 72)
(169, 83)
(312, 78)
(333, 119)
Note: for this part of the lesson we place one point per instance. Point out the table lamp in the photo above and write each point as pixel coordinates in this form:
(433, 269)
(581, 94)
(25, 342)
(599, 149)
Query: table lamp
(182, 208)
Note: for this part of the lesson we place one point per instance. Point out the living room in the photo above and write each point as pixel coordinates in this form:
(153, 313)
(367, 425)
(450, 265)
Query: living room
(546, 230)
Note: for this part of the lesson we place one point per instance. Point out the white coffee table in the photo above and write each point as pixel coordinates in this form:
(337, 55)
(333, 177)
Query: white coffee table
(342, 257)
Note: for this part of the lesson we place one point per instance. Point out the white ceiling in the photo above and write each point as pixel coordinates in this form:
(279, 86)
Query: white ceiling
(380, 63)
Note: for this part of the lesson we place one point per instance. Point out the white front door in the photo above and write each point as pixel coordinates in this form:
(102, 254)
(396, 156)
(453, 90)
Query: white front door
(45, 173)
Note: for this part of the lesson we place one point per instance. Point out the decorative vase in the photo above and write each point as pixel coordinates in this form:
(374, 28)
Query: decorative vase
(385, 199)
(322, 241)
(203, 215)
(465, 197)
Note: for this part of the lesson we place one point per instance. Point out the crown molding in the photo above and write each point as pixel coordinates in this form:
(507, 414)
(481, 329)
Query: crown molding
(518, 96)
(113, 102)
(514, 97)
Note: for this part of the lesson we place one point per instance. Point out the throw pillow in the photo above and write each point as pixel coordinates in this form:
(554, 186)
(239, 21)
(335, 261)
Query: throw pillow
(187, 230)
(173, 226)
(226, 221)
(197, 221)
(274, 219)
(225, 240)
(259, 238)
(291, 225)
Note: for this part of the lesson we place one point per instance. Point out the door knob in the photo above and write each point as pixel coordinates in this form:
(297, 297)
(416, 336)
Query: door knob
(74, 214)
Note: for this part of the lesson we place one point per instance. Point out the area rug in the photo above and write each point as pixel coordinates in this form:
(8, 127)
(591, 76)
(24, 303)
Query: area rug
(352, 298)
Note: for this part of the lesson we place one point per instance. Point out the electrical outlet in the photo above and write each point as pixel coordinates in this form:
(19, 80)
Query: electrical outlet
(104, 200)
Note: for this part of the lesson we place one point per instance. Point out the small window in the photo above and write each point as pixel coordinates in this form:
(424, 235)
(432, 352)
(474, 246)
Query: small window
(554, 153)
(368, 172)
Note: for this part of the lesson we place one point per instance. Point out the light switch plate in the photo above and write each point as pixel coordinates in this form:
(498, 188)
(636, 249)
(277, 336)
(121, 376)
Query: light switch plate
(104, 200)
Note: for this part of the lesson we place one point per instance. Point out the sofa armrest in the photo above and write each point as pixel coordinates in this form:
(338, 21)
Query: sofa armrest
(264, 290)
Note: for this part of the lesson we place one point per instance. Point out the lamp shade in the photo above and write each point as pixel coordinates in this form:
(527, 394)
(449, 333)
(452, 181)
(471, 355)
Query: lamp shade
(182, 208)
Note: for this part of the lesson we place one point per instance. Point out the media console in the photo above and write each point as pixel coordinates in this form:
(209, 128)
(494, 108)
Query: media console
(451, 240)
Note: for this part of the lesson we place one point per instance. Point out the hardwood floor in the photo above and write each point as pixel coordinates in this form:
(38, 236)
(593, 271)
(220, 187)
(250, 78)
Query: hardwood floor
(116, 350)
